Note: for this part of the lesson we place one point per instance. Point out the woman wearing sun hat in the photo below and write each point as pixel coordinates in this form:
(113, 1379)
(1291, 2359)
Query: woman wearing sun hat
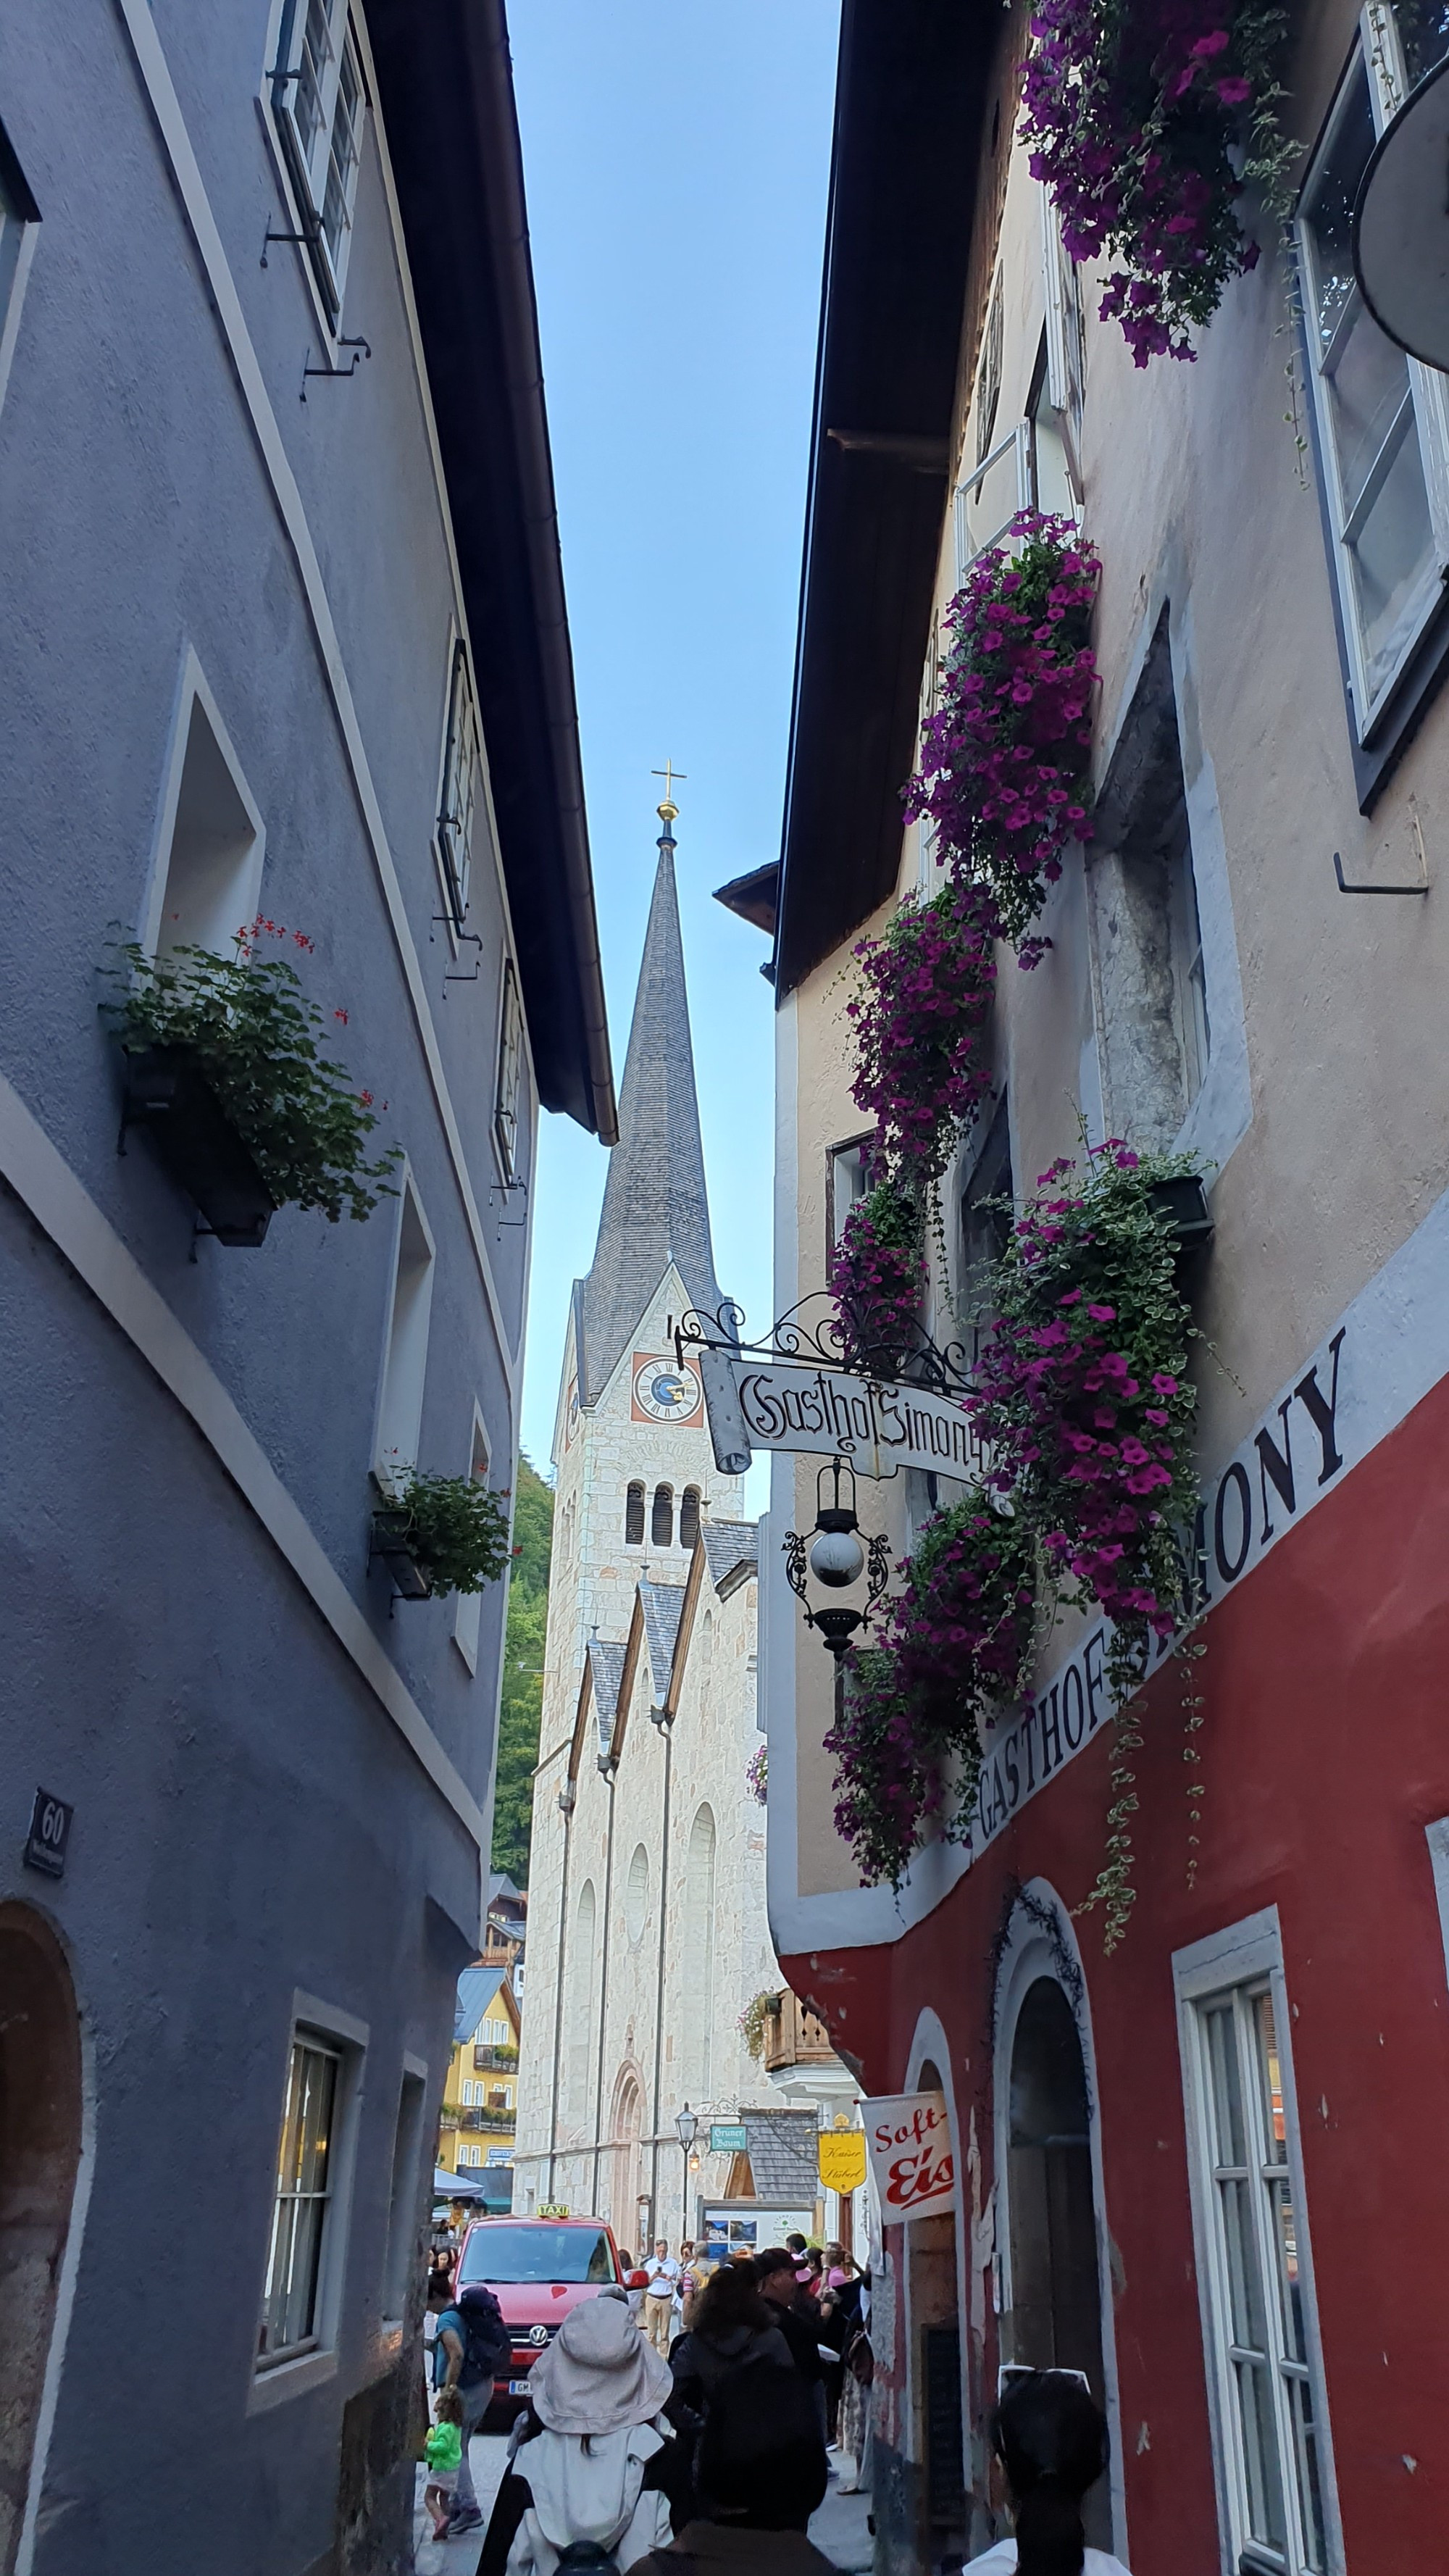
(592, 2471)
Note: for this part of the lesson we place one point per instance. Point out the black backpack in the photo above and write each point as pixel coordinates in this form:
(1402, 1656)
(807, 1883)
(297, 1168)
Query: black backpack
(586, 2558)
(486, 2344)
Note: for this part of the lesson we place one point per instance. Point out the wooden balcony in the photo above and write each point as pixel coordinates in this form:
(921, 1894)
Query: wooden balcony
(495, 2061)
(794, 2036)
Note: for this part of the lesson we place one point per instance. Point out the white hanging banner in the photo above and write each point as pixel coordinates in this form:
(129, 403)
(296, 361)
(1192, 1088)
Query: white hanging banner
(829, 1413)
(911, 2157)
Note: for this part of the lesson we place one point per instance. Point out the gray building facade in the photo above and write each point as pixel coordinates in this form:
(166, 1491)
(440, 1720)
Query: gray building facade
(283, 635)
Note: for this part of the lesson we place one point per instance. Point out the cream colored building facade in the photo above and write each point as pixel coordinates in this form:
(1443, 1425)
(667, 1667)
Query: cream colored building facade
(1247, 961)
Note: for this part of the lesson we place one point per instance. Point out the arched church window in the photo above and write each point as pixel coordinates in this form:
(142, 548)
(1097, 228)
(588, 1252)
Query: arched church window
(662, 1524)
(636, 1894)
(689, 1516)
(583, 1983)
(634, 1516)
(698, 1982)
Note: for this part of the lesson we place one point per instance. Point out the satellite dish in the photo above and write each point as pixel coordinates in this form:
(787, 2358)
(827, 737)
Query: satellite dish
(1401, 224)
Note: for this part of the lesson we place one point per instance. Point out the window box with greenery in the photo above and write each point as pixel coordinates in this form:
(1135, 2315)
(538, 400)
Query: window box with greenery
(224, 1069)
(441, 1534)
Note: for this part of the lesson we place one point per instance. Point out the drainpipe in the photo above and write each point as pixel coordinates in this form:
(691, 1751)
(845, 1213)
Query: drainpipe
(662, 1721)
(566, 1799)
(608, 1771)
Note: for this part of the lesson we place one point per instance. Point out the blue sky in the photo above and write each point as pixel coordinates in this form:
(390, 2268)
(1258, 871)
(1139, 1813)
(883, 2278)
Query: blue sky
(677, 159)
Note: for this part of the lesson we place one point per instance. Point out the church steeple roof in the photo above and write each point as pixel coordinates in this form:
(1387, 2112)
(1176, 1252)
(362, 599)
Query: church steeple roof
(655, 1210)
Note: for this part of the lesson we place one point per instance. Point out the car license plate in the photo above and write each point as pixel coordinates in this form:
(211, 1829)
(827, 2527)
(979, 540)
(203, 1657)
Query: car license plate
(518, 2388)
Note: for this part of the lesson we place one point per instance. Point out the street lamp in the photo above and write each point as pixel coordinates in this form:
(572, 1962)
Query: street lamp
(685, 2124)
(837, 1559)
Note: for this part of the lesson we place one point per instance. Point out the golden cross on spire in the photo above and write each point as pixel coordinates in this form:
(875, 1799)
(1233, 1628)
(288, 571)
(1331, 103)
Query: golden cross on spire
(668, 811)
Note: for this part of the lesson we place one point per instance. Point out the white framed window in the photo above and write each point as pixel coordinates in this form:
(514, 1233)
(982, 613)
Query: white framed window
(989, 497)
(1383, 424)
(19, 219)
(206, 875)
(307, 2240)
(1255, 2277)
(468, 1612)
(320, 103)
(403, 2206)
(458, 796)
(509, 1099)
(1066, 358)
(405, 1366)
(847, 1182)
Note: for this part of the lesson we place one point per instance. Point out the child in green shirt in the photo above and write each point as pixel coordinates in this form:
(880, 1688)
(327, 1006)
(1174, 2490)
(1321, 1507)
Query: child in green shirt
(443, 2452)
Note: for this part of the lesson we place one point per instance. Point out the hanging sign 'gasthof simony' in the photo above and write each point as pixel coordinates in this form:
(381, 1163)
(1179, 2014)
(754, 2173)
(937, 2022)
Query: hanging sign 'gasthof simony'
(911, 2156)
(826, 1411)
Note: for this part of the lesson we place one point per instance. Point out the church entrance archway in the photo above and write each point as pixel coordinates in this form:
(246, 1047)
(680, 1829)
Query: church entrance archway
(40, 2139)
(626, 2181)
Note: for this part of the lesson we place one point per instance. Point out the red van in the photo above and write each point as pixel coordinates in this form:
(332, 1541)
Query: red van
(539, 2268)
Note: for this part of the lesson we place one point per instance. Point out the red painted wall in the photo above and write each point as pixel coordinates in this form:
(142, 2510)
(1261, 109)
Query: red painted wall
(1325, 1752)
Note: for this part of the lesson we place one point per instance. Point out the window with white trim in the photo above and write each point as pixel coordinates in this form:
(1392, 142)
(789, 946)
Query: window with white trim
(468, 1616)
(320, 103)
(19, 214)
(458, 801)
(1261, 2349)
(400, 1412)
(402, 2210)
(302, 2208)
(510, 1073)
(847, 1182)
(1382, 419)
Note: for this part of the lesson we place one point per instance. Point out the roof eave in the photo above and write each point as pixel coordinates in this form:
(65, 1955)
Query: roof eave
(446, 97)
(909, 100)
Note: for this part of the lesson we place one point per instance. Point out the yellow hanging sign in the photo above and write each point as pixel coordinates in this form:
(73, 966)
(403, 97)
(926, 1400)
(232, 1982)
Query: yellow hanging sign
(842, 2159)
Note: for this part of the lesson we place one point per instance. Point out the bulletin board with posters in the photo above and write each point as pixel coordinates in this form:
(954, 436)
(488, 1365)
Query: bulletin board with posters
(748, 2226)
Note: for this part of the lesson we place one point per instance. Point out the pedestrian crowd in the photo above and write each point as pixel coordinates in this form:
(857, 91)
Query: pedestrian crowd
(691, 2440)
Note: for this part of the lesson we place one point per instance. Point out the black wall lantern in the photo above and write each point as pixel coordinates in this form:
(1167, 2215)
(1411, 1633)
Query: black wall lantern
(837, 1559)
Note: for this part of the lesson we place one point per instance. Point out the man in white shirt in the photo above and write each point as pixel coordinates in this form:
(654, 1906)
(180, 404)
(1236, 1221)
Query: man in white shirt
(663, 2273)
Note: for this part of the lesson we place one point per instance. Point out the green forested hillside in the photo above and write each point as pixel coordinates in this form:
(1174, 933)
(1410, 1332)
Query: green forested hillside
(522, 1673)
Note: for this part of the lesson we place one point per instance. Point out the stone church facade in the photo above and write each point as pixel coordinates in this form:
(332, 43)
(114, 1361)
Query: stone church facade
(647, 1926)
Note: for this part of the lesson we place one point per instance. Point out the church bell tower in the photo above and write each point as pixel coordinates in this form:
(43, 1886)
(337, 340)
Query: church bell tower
(635, 1466)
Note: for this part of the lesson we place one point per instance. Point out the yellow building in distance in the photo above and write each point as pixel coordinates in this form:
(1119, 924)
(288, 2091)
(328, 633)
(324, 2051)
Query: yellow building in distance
(480, 2091)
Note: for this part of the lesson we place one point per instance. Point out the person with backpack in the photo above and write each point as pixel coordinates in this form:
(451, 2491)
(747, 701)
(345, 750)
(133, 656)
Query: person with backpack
(1050, 2436)
(762, 2473)
(475, 2341)
(732, 2330)
(593, 2475)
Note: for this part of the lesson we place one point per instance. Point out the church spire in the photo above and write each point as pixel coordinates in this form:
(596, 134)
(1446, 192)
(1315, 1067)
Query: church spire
(655, 1210)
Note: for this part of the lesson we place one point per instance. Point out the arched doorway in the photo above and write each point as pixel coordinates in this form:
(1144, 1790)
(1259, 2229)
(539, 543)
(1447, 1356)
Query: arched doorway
(935, 2315)
(625, 2181)
(1055, 2317)
(40, 2135)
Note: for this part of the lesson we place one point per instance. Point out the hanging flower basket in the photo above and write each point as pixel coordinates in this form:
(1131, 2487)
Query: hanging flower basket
(395, 1541)
(225, 1070)
(440, 1534)
(951, 1646)
(1004, 758)
(877, 1279)
(1149, 123)
(1083, 1393)
(922, 1070)
(168, 1094)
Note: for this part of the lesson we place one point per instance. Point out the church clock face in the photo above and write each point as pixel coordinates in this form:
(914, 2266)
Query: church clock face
(665, 1392)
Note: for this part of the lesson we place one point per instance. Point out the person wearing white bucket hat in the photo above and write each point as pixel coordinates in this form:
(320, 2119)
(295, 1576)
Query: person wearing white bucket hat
(599, 2393)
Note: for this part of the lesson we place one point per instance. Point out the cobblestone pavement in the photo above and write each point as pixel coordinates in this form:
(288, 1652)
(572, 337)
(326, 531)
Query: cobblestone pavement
(839, 2528)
